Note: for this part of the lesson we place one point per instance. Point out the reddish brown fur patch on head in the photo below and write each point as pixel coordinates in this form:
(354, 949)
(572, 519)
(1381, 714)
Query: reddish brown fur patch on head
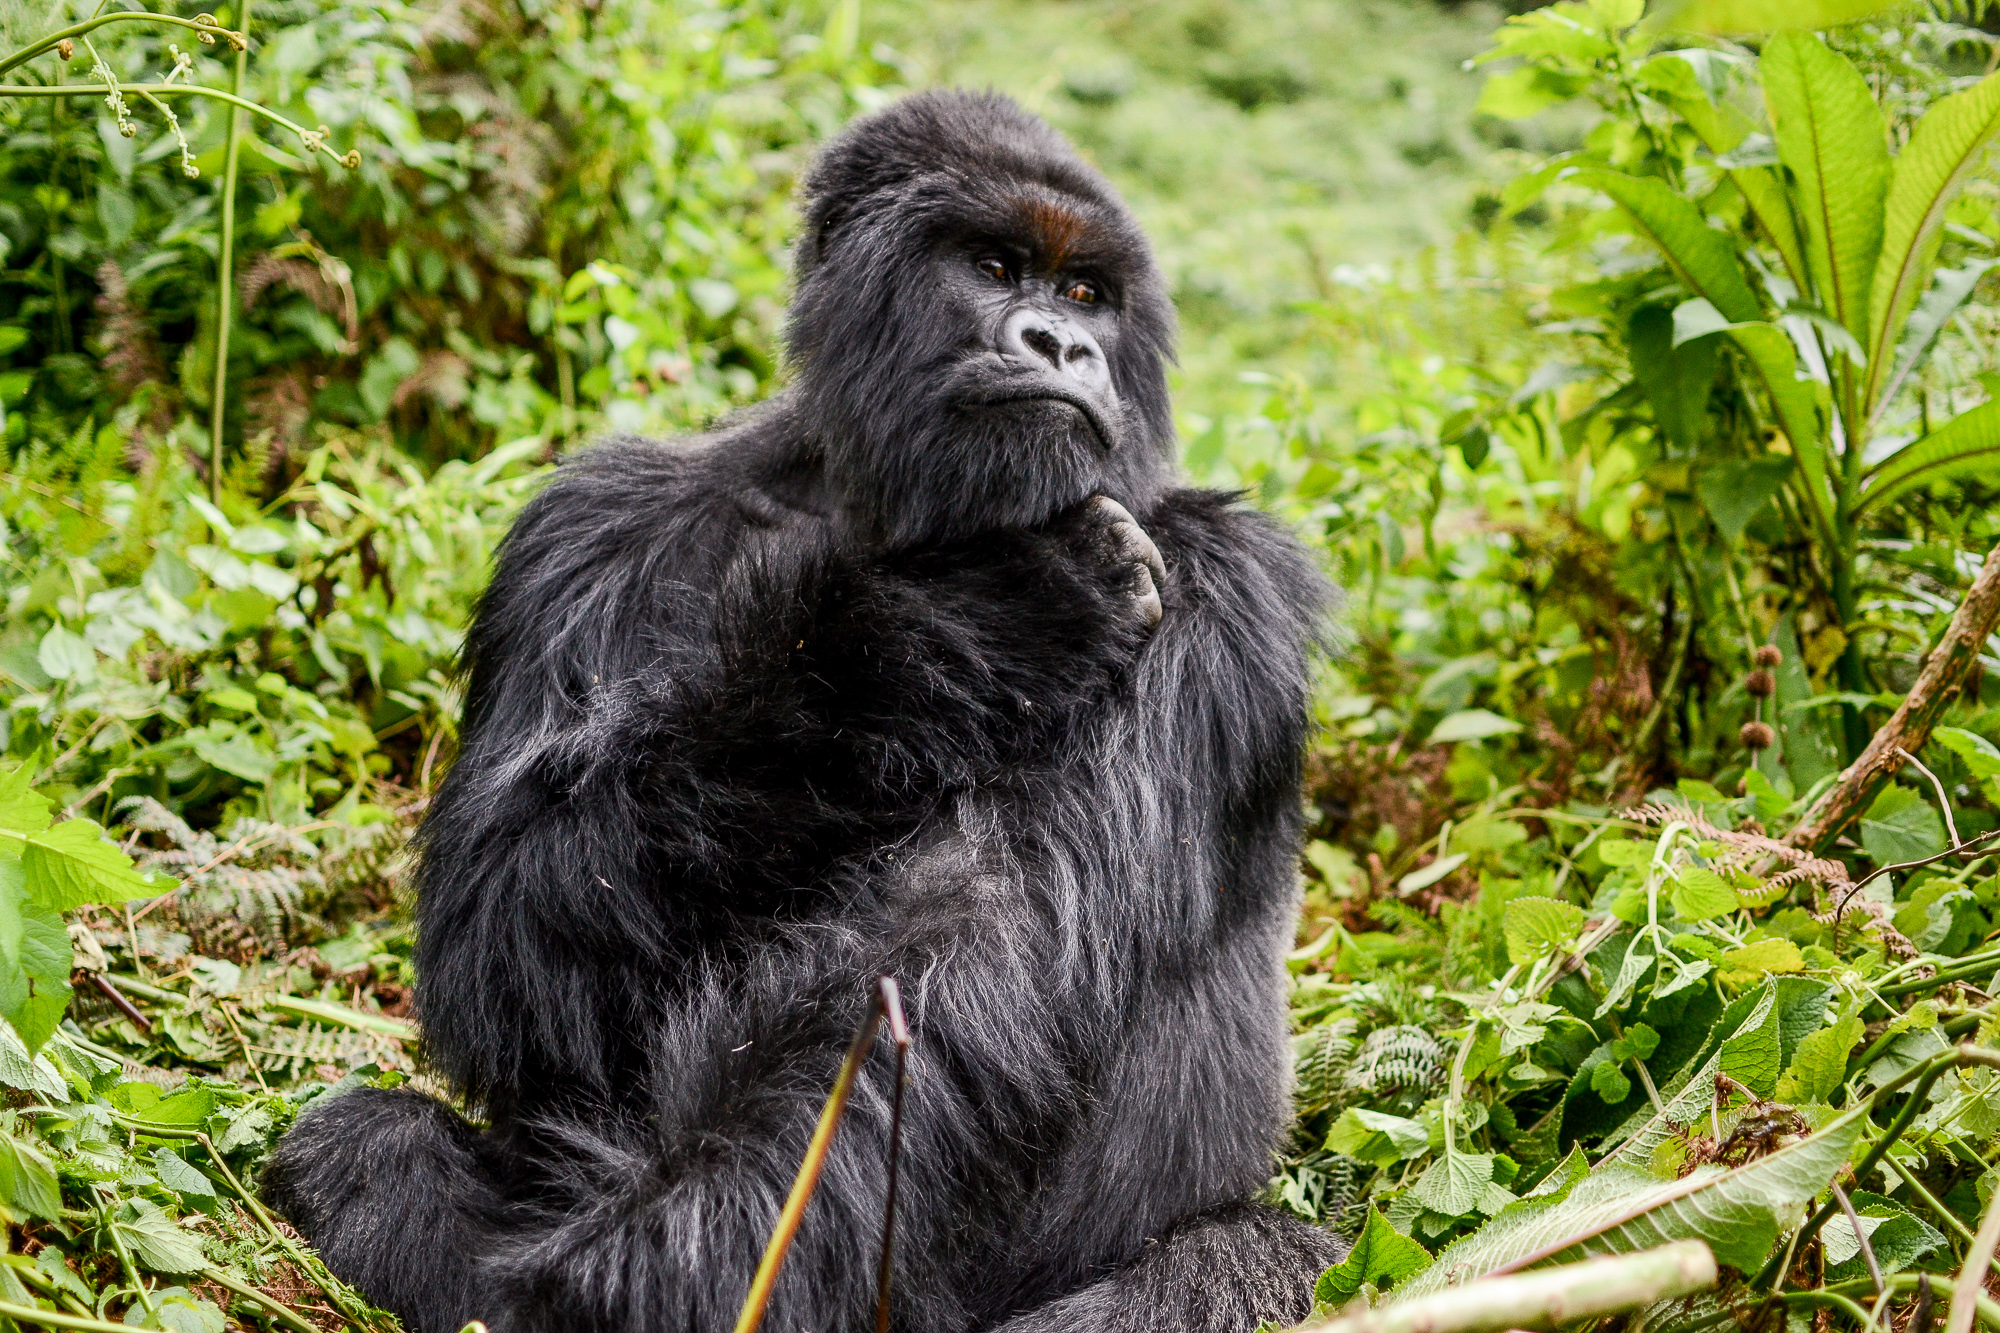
(1054, 229)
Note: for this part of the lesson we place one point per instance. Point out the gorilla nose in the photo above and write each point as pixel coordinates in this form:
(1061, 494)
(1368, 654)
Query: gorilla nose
(1035, 336)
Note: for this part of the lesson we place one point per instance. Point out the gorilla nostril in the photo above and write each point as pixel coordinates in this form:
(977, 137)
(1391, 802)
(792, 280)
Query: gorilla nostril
(1044, 344)
(1077, 352)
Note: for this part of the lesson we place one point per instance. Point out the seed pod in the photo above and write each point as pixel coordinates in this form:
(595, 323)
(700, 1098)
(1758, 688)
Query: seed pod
(1757, 735)
(1760, 684)
(1767, 655)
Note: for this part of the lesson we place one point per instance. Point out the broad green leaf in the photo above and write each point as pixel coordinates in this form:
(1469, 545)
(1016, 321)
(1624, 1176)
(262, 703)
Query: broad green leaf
(1746, 16)
(22, 809)
(1945, 148)
(1898, 1237)
(1377, 1138)
(1966, 446)
(1949, 289)
(179, 1176)
(1555, 32)
(73, 863)
(35, 990)
(1536, 926)
(28, 1180)
(65, 656)
(1755, 1055)
(188, 1108)
(1455, 1183)
(1432, 873)
(30, 1073)
(1981, 757)
(155, 1241)
(1830, 133)
(1740, 1213)
(1819, 1068)
(1749, 1014)
(1676, 378)
(1700, 894)
(1842, 1241)
(1764, 190)
(1735, 490)
(1699, 254)
(1473, 724)
(1763, 956)
(1901, 826)
(1610, 1083)
(1381, 1257)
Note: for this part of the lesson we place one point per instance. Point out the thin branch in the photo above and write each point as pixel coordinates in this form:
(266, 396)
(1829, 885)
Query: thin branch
(205, 26)
(1860, 1236)
(313, 140)
(1971, 1282)
(1944, 801)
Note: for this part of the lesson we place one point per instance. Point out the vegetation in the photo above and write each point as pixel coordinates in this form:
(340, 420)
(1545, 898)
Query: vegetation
(1639, 385)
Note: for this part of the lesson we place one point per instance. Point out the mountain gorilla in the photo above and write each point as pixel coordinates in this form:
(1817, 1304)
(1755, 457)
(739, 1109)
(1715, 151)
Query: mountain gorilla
(924, 668)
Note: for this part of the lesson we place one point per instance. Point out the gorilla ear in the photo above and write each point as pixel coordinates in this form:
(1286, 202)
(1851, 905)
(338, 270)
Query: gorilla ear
(822, 222)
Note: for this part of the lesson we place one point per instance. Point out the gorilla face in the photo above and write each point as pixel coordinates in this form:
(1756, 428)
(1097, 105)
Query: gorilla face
(979, 331)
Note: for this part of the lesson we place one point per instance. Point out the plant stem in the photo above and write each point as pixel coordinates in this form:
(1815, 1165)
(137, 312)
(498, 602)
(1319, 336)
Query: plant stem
(29, 52)
(1909, 728)
(225, 294)
(1971, 1281)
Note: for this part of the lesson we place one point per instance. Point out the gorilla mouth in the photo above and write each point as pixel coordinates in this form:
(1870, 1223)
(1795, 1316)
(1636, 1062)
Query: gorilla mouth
(1089, 408)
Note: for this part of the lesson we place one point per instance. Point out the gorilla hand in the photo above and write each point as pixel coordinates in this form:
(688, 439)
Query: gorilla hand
(1119, 538)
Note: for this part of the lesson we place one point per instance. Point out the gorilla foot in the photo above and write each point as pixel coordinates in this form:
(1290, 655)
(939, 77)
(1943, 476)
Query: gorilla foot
(1125, 542)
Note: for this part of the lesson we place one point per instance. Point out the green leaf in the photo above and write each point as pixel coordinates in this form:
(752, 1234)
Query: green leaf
(1473, 724)
(1735, 490)
(1610, 1083)
(34, 985)
(1763, 956)
(1617, 1209)
(73, 863)
(1536, 926)
(1949, 289)
(65, 656)
(1901, 826)
(1432, 873)
(189, 1108)
(1898, 1237)
(1830, 133)
(1748, 16)
(1819, 1067)
(1700, 894)
(1746, 1015)
(1381, 1257)
(1377, 1138)
(28, 1180)
(180, 1177)
(1966, 446)
(1944, 149)
(1755, 1054)
(1980, 756)
(22, 809)
(155, 1241)
(1455, 1183)
(1702, 256)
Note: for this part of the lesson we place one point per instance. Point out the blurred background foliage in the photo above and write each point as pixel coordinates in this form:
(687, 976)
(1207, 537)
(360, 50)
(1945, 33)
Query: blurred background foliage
(1422, 319)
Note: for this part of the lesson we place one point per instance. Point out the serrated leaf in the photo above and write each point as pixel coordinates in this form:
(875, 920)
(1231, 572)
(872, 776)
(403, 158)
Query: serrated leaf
(73, 863)
(34, 989)
(1899, 825)
(28, 1180)
(1536, 926)
(1755, 1055)
(1980, 756)
(1702, 256)
(1829, 131)
(1899, 1238)
(22, 808)
(1376, 1137)
(1944, 149)
(155, 1241)
(1819, 1066)
(1842, 1241)
(1381, 1257)
(1762, 956)
(1455, 1183)
(1966, 446)
(1625, 852)
(1618, 1209)
(178, 1175)
(1610, 1083)
(1700, 894)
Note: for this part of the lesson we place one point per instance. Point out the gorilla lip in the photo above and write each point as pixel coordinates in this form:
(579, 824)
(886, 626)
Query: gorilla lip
(1093, 413)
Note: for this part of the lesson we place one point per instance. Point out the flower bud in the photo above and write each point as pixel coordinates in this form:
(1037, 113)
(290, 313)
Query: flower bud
(1760, 684)
(66, 49)
(1767, 655)
(1757, 735)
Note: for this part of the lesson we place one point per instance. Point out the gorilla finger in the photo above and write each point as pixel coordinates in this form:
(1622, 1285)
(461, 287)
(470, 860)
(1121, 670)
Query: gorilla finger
(1139, 546)
(1150, 608)
(1111, 511)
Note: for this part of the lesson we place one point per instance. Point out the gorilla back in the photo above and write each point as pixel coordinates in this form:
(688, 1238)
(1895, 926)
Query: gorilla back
(924, 668)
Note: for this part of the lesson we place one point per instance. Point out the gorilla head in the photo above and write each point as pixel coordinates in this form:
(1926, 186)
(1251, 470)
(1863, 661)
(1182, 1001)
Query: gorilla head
(979, 331)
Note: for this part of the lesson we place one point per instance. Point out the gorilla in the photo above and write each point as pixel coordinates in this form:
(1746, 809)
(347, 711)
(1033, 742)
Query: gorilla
(927, 667)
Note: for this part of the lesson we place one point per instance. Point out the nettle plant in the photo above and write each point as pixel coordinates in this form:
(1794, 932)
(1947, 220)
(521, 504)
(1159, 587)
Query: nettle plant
(1818, 237)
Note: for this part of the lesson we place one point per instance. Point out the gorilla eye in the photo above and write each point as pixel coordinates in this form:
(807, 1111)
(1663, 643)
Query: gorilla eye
(995, 269)
(1083, 293)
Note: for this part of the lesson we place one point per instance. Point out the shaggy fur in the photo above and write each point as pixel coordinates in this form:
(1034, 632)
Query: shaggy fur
(860, 684)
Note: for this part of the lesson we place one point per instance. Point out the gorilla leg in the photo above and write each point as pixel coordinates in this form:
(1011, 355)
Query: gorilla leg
(391, 1189)
(1220, 1272)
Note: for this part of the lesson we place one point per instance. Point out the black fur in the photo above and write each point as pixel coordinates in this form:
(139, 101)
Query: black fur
(861, 684)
